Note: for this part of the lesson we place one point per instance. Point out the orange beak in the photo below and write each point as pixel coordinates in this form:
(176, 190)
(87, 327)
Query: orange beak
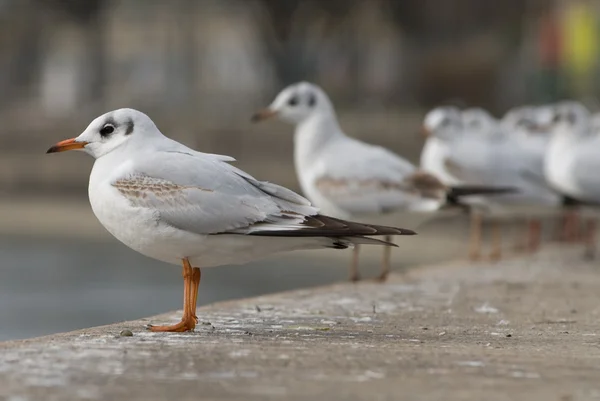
(425, 132)
(263, 115)
(68, 144)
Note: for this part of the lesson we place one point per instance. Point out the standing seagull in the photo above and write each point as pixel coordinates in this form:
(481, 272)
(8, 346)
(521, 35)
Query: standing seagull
(571, 164)
(346, 177)
(440, 126)
(529, 127)
(178, 205)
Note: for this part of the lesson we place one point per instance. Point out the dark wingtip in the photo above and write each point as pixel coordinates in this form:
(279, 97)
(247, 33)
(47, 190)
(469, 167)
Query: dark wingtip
(405, 231)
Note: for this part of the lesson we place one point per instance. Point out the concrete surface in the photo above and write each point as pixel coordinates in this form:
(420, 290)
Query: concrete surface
(520, 329)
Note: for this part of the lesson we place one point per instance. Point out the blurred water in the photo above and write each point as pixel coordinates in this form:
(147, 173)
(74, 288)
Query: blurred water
(51, 286)
(56, 283)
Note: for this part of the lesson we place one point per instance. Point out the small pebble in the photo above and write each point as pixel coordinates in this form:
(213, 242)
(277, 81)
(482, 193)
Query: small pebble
(126, 333)
(509, 335)
(207, 323)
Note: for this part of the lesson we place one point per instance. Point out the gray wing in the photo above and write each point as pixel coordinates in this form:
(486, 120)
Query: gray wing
(585, 170)
(360, 178)
(205, 195)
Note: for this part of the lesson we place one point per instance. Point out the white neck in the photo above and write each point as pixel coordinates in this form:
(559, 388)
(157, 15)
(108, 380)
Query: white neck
(313, 134)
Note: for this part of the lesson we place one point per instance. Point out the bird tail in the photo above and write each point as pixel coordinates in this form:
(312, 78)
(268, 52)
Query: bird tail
(342, 233)
(348, 242)
(455, 195)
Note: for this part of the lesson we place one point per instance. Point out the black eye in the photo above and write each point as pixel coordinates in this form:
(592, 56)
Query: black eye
(556, 117)
(312, 100)
(107, 130)
(293, 101)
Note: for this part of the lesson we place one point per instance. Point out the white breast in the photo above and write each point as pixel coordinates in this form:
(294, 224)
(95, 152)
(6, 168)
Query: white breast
(433, 157)
(137, 227)
(558, 165)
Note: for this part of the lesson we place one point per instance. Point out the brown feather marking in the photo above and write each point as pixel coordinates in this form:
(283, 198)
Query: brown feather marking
(427, 185)
(139, 187)
(453, 168)
(328, 184)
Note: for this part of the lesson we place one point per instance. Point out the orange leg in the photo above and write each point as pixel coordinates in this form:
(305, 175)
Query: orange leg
(535, 234)
(195, 285)
(571, 226)
(522, 242)
(590, 239)
(475, 241)
(385, 264)
(496, 253)
(354, 274)
(191, 281)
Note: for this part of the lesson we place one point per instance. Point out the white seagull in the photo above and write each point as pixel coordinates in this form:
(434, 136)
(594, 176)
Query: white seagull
(572, 164)
(180, 206)
(346, 177)
(484, 151)
(440, 126)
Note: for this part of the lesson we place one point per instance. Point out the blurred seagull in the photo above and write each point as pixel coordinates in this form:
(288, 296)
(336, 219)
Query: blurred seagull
(346, 177)
(181, 206)
(529, 128)
(572, 164)
(485, 152)
(445, 129)
(440, 126)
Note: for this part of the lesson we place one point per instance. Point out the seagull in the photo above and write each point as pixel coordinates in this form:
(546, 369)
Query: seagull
(440, 125)
(529, 129)
(445, 129)
(483, 151)
(346, 177)
(174, 204)
(572, 163)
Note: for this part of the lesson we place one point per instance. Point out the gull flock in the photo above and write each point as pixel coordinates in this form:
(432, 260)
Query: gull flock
(194, 209)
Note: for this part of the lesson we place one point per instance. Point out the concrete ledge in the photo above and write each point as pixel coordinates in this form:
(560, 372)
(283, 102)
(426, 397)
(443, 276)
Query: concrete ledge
(520, 329)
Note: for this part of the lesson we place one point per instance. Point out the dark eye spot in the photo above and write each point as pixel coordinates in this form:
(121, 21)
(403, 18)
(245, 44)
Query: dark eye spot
(107, 130)
(312, 100)
(293, 101)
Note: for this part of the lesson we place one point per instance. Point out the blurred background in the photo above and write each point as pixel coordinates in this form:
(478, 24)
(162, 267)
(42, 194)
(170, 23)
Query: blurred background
(200, 68)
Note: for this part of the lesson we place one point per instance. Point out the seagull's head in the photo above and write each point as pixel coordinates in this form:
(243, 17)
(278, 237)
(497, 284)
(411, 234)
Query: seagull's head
(297, 103)
(528, 120)
(110, 131)
(443, 122)
(571, 117)
(478, 120)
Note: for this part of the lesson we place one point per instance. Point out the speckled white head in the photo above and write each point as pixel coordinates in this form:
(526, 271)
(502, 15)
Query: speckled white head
(297, 103)
(443, 122)
(110, 131)
(519, 120)
(479, 120)
(571, 117)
